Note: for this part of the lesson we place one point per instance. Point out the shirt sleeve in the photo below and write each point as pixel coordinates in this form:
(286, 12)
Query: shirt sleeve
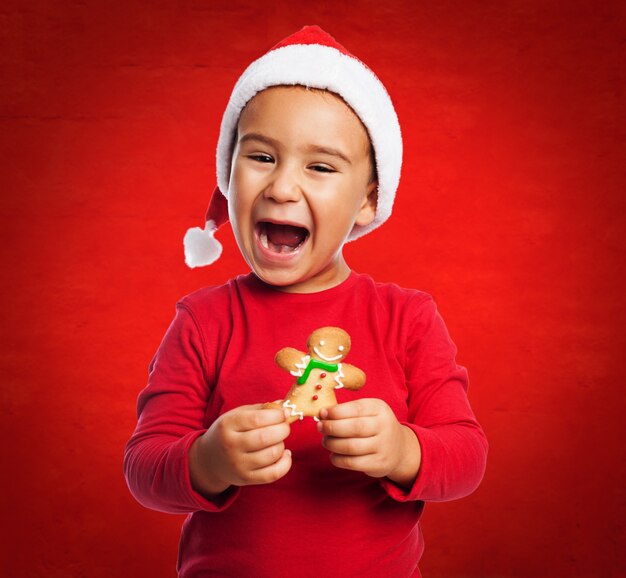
(453, 444)
(171, 411)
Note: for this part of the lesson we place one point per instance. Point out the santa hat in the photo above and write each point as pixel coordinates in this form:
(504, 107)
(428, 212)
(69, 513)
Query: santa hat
(314, 59)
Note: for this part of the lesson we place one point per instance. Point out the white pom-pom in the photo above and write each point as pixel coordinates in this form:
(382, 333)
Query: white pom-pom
(201, 246)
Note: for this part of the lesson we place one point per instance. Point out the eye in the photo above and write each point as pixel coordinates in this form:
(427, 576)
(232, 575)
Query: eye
(340, 348)
(322, 169)
(322, 343)
(261, 158)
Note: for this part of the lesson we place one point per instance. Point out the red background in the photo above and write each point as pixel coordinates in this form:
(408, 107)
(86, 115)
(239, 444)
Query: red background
(510, 212)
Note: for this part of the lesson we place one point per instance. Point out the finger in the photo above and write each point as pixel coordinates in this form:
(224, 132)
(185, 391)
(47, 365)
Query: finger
(273, 472)
(262, 458)
(264, 437)
(350, 446)
(357, 408)
(358, 427)
(252, 417)
(354, 463)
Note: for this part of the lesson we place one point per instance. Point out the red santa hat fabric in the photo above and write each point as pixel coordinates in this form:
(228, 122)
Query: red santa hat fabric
(311, 58)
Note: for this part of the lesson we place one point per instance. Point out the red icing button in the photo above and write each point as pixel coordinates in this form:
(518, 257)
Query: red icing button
(322, 375)
(314, 397)
(318, 386)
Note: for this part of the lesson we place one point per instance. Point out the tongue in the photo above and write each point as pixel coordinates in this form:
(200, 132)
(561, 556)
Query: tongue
(285, 235)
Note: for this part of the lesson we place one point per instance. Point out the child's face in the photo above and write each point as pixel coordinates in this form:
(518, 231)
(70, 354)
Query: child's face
(300, 180)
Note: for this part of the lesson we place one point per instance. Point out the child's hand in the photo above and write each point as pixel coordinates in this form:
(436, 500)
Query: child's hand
(365, 436)
(243, 446)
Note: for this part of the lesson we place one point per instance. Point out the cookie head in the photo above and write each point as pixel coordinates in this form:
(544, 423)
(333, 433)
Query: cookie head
(330, 344)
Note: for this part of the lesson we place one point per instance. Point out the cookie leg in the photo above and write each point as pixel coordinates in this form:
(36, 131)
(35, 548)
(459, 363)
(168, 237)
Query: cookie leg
(294, 414)
(274, 405)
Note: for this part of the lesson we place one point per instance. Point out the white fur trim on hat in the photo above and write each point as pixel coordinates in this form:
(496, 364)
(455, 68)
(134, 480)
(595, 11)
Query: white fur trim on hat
(201, 246)
(326, 68)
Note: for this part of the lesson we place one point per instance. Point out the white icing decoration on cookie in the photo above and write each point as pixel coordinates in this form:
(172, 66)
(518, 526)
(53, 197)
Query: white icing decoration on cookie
(327, 358)
(301, 366)
(292, 407)
(338, 377)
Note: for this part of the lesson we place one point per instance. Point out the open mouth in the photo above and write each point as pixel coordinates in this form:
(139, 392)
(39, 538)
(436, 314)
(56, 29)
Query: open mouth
(281, 238)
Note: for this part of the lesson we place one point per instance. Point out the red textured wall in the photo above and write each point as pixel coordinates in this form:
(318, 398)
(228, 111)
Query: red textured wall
(510, 211)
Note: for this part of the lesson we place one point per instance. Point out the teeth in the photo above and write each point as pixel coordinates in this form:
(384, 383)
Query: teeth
(282, 248)
(267, 244)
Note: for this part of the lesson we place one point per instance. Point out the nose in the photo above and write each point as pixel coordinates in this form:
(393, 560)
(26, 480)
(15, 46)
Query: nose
(284, 186)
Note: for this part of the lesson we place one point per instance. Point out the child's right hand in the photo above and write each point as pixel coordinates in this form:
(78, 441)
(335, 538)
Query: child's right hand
(244, 446)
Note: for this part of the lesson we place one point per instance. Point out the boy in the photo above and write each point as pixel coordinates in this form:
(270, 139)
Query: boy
(309, 156)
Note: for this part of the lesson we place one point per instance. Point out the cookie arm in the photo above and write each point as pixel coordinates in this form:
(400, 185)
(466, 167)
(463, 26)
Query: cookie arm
(353, 378)
(290, 359)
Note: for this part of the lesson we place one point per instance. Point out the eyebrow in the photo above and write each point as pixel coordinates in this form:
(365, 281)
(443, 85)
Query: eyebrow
(258, 137)
(253, 136)
(329, 151)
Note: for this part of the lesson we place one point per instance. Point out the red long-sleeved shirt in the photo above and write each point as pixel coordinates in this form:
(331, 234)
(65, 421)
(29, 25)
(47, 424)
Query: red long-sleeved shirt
(318, 520)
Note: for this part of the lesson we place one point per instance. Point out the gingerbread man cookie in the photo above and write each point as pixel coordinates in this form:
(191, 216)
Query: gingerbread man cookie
(320, 372)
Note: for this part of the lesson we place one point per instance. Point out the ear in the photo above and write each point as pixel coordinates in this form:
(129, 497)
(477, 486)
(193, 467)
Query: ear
(367, 212)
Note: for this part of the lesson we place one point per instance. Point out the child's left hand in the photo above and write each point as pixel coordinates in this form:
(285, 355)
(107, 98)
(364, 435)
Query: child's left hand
(365, 436)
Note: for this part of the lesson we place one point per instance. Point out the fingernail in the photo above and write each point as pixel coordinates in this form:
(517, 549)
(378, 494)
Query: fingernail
(324, 413)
